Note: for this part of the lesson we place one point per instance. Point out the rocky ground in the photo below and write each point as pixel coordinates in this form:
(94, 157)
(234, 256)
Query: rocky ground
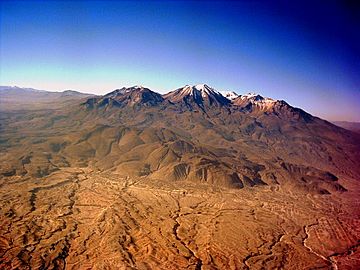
(78, 218)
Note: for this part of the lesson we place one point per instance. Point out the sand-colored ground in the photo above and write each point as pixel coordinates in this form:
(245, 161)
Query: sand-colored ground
(78, 218)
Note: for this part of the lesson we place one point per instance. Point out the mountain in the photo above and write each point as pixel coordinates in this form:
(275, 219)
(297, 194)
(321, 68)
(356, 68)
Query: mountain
(200, 95)
(251, 100)
(229, 94)
(187, 134)
(14, 98)
(132, 96)
(243, 183)
(19, 90)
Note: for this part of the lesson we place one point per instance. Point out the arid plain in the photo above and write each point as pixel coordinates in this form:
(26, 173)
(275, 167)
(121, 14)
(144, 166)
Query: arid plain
(187, 180)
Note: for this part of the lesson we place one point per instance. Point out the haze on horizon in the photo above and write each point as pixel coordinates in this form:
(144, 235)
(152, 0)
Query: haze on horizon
(306, 54)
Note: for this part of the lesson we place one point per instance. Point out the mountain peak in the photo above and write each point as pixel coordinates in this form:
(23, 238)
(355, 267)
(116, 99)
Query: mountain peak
(124, 90)
(229, 94)
(256, 98)
(200, 94)
(134, 95)
(205, 90)
(255, 101)
(201, 86)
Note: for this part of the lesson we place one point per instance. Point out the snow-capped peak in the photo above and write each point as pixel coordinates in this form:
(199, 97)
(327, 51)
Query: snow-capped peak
(229, 94)
(261, 102)
(257, 98)
(205, 90)
(250, 95)
(138, 87)
(199, 93)
(199, 86)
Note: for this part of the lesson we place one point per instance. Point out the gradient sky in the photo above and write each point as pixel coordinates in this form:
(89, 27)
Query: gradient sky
(307, 54)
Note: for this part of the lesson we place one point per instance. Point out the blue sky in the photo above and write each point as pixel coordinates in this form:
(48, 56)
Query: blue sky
(306, 54)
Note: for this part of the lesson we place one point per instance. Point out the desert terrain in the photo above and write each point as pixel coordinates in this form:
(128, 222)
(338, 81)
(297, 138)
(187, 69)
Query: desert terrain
(186, 180)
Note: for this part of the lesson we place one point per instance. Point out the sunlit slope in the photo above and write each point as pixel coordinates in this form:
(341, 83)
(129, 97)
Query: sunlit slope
(180, 137)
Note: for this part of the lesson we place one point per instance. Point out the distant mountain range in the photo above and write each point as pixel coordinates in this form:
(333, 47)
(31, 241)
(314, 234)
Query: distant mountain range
(353, 126)
(14, 98)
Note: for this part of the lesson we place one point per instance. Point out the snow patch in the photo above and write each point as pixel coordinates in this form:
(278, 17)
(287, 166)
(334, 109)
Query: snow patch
(229, 94)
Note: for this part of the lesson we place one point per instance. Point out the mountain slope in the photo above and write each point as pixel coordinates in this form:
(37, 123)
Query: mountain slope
(202, 127)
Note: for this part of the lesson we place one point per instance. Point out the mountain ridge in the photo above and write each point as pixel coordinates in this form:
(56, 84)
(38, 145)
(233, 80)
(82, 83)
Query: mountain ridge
(200, 95)
(200, 125)
(8, 96)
